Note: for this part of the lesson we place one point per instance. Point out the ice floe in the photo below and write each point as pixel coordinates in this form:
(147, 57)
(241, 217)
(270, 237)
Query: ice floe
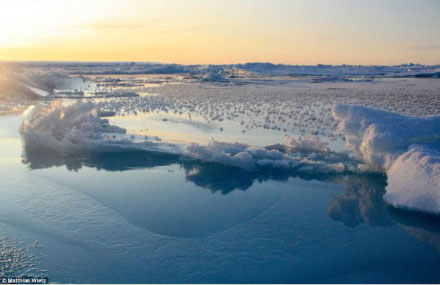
(78, 128)
(414, 181)
(406, 148)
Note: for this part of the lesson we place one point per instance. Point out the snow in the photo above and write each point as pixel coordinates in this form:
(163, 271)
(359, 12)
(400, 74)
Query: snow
(65, 129)
(379, 137)
(309, 143)
(77, 128)
(414, 181)
(38, 91)
(283, 157)
(402, 146)
(214, 77)
(238, 155)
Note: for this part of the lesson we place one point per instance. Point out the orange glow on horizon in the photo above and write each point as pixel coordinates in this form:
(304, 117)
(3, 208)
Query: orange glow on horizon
(216, 32)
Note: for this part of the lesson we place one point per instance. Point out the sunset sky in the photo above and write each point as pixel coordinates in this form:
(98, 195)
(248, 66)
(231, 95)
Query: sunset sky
(226, 31)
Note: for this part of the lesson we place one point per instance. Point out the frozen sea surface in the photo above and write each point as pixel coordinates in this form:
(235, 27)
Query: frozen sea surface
(170, 200)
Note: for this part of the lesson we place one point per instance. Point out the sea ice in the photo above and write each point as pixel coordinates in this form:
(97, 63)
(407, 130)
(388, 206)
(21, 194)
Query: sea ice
(78, 128)
(406, 148)
(414, 180)
(379, 137)
(286, 157)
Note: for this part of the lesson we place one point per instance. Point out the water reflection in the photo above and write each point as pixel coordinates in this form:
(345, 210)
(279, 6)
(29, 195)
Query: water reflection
(219, 178)
(360, 202)
(211, 176)
(112, 161)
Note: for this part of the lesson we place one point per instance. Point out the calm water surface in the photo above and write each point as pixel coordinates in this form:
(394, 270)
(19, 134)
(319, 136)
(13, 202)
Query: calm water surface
(143, 217)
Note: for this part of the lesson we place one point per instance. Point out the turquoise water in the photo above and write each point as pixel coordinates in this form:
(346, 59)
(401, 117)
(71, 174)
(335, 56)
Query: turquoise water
(139, 217)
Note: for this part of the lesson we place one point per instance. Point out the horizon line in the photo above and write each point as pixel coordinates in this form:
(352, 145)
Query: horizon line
(210, 64)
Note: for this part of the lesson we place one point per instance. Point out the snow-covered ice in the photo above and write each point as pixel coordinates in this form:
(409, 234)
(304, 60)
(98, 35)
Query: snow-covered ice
(414, 180)
(402, 147)
(77, 128)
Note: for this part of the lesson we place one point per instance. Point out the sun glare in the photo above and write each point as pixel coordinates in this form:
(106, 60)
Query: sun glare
(25, 23)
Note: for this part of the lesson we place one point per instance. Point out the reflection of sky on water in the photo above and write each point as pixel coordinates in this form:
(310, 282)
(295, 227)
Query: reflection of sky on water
(180, 128)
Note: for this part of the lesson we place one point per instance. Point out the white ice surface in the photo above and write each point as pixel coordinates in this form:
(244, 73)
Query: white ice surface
(379, 137)
(414, 181)
(402, 146)
(77, 128)
(292, 157)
